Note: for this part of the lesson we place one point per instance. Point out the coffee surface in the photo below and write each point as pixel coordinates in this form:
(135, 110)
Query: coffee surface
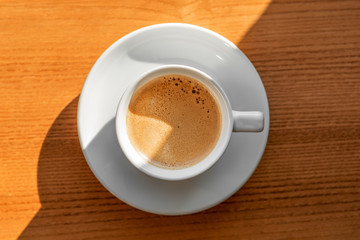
(174, 121)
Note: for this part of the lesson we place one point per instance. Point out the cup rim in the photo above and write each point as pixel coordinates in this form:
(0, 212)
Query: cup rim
(174, 174)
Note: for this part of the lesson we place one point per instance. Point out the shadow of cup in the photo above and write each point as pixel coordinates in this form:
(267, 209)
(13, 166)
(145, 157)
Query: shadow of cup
(75, 205)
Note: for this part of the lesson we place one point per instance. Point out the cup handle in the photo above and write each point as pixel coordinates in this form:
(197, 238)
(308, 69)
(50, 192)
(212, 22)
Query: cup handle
(248, 121)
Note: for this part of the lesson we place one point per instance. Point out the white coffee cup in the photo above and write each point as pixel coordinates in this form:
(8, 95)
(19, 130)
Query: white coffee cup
(232, 121)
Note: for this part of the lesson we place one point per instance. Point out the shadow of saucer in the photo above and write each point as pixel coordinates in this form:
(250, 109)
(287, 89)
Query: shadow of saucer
(71, 197)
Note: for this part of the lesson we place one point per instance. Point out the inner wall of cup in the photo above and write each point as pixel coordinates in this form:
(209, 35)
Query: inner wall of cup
(225, 130)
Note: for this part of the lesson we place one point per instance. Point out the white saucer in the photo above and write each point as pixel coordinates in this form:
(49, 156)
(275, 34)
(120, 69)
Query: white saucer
(124, 61)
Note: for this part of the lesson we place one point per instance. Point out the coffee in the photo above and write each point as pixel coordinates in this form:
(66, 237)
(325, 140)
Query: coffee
(174, 121)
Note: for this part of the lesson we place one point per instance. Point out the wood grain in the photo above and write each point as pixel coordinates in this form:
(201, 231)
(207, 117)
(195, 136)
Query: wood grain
(307, 185)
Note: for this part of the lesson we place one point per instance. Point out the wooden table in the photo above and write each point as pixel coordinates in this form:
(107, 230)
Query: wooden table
(307, 185)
